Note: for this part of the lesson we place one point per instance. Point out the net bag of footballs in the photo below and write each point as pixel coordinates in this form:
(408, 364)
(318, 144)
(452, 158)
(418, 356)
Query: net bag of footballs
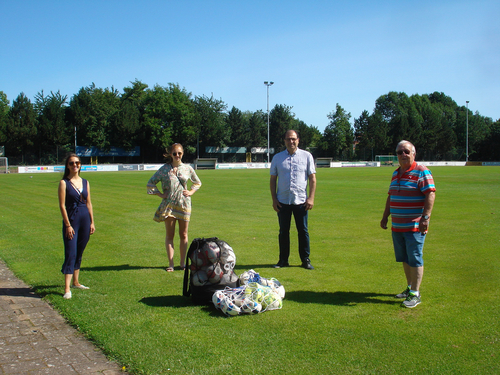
(209, 267)
(255, 295)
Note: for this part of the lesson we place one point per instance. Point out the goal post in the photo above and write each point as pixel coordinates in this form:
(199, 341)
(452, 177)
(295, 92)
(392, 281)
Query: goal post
(387, 159)
(4, 164)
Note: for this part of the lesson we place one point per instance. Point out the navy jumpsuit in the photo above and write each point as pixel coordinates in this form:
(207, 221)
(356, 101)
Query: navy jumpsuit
(79, 218)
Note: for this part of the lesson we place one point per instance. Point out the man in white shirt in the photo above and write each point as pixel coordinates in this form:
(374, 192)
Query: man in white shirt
(291, 171)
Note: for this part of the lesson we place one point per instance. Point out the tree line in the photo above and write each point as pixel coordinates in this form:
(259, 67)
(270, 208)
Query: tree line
(41, 132)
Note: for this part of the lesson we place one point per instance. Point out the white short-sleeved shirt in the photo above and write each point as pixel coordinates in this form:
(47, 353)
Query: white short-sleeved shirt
(293, 173)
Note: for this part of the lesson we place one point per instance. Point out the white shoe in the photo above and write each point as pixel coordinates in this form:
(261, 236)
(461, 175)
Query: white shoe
(81, 286)
(67, 295)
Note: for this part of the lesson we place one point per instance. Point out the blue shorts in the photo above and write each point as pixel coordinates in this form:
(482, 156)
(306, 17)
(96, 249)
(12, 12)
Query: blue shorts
(409, 247)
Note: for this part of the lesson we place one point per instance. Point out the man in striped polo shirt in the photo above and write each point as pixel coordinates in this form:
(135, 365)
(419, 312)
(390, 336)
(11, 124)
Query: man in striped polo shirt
(410, 201)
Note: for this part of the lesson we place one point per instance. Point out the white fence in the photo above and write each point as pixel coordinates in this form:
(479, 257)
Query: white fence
(154, 167)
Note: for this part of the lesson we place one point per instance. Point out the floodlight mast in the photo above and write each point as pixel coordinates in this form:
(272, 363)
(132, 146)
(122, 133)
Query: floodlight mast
(467, 131)
(268, 84)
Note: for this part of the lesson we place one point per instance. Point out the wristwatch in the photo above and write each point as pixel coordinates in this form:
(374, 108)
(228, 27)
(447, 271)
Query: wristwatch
(426, 217)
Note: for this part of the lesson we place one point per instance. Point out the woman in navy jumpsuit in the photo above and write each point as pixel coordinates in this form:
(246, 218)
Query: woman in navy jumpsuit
(78, 221)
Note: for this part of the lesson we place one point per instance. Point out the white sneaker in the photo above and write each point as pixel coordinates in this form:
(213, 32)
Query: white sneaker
(81, 286)
(67, 295)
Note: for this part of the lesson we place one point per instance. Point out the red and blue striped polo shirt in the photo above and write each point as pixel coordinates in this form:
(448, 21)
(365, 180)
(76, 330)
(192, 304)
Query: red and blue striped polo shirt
(407, 197)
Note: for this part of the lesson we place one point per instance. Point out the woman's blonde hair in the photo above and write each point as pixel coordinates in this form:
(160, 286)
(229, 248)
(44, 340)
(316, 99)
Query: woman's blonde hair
(169, 150)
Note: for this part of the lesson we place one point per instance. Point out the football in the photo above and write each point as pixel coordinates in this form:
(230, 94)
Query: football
(199, 278)
(214, 273)
(250, 307)
(211, 252)
(227, 253)
(198, 259)
(272, 301)
(217, 298)
(229, 308)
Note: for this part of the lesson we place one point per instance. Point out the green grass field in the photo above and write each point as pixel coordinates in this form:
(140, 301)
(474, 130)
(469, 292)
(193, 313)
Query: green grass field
(340, 318)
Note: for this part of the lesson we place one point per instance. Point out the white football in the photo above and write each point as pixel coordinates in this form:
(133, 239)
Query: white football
(229, 308)
(199, 278)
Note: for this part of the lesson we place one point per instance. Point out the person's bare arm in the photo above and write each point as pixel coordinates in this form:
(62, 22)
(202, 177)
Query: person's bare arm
(387, 212)
(272, 185)
(423, 226)
(312, 191)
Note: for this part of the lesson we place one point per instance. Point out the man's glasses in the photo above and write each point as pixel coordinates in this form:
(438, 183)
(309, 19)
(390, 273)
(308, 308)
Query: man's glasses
(291, 139)
(401, 152)
(72, 163)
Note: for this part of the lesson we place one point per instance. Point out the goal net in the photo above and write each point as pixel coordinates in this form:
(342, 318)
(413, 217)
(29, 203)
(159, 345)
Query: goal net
(4, 165)
(387, 159)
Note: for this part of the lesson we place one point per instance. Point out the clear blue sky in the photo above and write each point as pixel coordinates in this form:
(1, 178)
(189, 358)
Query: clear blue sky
(318, 53)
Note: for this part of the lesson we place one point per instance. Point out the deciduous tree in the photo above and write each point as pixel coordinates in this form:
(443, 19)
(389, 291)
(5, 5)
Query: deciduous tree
(4, 110)
(338, 137)
(212, 128)
(21, 127)
(92, 110)
(281, 119)
(239, 128)
(53, 131)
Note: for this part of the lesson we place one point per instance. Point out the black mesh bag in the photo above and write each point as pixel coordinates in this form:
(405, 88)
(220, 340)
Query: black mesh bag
(209, 267)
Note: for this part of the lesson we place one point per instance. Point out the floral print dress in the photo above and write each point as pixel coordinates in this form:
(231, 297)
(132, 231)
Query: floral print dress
(173, 182)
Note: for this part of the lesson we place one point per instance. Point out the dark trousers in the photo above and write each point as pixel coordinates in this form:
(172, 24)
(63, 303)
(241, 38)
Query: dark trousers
(73, 249)
(284, 218)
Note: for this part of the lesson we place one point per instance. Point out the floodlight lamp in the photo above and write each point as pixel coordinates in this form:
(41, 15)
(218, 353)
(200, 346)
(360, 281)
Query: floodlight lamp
(265, 82)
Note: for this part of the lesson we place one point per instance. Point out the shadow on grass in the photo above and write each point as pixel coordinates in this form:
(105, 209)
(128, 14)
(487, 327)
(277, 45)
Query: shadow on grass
(128, 267)
(122, 267)
(340, 298)
(45, 290)
(335, 298)
(167, 301)
(180, 301)
(246, 267)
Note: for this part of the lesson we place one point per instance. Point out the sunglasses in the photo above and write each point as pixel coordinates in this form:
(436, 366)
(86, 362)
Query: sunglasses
(401, 152)
(177, 153)
(71, 163)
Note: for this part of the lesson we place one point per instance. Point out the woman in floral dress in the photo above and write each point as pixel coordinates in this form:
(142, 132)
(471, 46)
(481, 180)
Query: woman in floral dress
(176, 200)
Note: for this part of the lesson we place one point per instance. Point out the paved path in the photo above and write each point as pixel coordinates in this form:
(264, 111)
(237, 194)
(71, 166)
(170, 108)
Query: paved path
(35, 339)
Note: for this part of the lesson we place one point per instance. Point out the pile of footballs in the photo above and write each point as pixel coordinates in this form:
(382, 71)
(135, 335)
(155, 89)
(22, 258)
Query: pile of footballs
(255, 295)
(213, 263)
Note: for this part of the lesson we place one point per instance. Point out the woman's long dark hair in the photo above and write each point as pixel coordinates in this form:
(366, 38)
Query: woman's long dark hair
(66, 168)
